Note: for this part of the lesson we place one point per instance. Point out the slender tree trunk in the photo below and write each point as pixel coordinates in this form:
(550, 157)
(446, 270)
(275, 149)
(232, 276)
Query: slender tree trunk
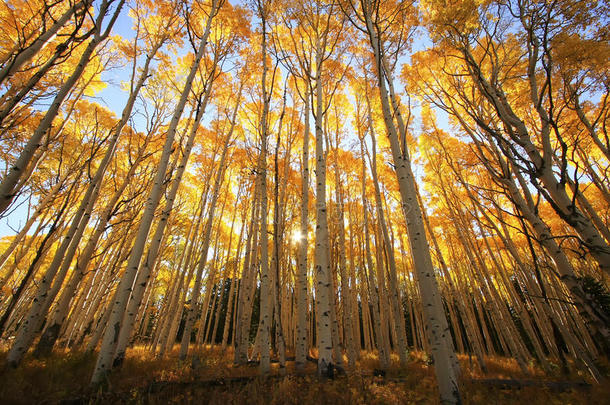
(32, 268)
(439, 333)
(144, 273)
(246, 284)
(322, 253)
(104, 361)
(398, 316)
(301, 279)
(265, 319)
(384, 355)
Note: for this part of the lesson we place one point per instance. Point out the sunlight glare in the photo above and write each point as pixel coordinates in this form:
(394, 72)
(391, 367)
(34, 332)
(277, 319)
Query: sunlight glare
(297, 236)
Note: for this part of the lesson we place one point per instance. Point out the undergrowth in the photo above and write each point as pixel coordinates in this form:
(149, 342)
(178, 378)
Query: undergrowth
(212, 378)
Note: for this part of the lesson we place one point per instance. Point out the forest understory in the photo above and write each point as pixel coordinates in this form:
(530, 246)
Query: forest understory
(211, 377)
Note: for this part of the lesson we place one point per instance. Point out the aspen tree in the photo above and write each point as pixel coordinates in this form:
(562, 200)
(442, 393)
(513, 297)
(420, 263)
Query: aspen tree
(40, 252)
(383, 349)
(367, 17)
(397, 313)
(346, 296)
(277, 240)
(301, 345)
(166, 334)
(54, 275)
(104, 361)
(265, 319)
(232, 304)
(144, 272)
(246, 285)
(322, 261)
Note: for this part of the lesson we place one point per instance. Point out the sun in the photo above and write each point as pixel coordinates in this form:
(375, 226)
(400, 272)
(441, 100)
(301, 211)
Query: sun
(297, 236)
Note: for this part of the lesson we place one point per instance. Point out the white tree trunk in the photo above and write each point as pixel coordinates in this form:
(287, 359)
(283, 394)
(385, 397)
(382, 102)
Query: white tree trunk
(104, 361)
(439, 333)
(301, 277)
(322, 262)
(61, 310)
(192, 313)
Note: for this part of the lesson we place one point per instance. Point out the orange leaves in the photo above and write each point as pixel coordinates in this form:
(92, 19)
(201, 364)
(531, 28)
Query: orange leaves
(22, 22)
(573, 53)
(125, 47)
(455, 16)
(232, 24)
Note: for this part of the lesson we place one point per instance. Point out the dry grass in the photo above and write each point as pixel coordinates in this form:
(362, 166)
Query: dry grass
(214, 379)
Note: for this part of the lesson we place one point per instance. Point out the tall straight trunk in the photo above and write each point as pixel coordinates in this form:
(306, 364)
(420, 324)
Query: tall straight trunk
(346, 293)
(383, 350)
(167, 334)
(443, 264)
(264, 324)
(168, 338)
(301, 276)
(213, 313)
(442, 352)
(322, 253)
(246, 284)
(335, 321)
(106, 355)
(353, 289)
(382, 292)
(174, 286)
(144, 273)
(52, 280)
(232, 303)
(397, 313)
(366, 316)
(211, 288)
(265, 319)
(279, 208)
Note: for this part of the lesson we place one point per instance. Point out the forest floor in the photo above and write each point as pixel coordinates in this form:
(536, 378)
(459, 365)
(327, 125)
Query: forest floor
(212, 378)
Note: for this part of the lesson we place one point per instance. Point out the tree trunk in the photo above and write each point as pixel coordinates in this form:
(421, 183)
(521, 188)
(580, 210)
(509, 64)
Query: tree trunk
(104, 361)
(443, 355)
(301, 278)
